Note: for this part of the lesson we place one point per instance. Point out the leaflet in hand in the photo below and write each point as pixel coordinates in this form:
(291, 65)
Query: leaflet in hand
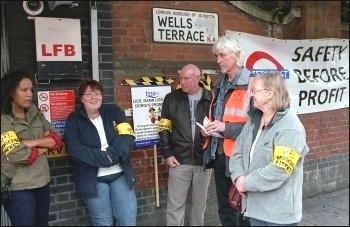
(205, 122)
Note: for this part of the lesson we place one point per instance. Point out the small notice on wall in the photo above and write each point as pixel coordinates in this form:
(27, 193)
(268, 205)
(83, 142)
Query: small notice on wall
(182, 26)
(146, 107)
(56, 106)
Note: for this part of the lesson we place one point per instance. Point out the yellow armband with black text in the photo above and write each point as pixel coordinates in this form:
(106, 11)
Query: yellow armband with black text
(9, 141)
(285, 157)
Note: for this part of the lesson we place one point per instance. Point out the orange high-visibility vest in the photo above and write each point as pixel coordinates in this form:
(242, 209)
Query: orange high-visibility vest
(235, 110)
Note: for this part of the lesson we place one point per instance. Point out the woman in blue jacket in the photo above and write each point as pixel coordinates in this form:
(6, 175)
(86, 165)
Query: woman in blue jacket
(99, 140)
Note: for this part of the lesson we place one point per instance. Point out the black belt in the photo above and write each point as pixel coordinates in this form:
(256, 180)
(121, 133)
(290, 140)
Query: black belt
(110, 178)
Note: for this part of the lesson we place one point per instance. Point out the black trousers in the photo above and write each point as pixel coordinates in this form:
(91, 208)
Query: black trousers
(227, 215)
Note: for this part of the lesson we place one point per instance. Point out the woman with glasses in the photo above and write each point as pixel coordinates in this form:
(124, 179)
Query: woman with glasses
(99, 140)
(267, 162)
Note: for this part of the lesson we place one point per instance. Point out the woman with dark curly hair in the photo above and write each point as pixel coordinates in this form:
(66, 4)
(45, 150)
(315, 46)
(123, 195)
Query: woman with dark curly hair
(25, 137)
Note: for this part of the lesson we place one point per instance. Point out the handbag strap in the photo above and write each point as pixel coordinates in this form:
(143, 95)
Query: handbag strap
(12, 172)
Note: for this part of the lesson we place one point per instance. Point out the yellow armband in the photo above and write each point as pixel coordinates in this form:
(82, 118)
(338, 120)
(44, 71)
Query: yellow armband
(125, 129)
(165, 124)
(285, 157)
(9, 141)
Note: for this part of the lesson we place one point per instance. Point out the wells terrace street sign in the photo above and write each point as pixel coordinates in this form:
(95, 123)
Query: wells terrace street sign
(182, 26)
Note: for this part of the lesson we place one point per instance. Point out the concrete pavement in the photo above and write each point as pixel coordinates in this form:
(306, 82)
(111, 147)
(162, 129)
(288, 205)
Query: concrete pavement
(331, 209)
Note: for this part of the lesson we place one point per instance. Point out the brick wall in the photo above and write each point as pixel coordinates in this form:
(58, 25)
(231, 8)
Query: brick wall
(105, 50)
(126, 50)
(327, 164)
(135, 55)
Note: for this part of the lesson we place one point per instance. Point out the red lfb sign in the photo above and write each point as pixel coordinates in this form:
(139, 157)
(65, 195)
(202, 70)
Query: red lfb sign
(67, 50)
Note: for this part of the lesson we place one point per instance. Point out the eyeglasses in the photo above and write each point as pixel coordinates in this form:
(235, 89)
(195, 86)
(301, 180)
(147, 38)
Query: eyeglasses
(255, 91)
(91, 94)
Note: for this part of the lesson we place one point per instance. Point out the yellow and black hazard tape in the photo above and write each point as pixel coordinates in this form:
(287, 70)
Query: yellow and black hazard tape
(205, 81)
(158, 80)
(148, 81)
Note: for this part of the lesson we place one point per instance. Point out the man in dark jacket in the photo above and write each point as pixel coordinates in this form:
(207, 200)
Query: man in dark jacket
(181, 144)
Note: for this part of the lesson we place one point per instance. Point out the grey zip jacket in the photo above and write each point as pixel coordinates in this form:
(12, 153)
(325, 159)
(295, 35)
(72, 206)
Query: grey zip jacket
(274, 176)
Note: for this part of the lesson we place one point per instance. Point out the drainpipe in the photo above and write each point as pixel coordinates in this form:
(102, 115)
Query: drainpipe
(94, 40)
(5, 62)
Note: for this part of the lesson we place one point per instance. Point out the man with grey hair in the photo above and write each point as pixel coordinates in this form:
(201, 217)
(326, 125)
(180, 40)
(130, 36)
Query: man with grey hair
(228, 114)
(181, 145)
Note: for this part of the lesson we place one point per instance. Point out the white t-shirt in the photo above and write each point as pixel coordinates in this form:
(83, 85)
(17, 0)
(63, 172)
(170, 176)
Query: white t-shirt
(102, 171)
(253, 145)
(193, 107)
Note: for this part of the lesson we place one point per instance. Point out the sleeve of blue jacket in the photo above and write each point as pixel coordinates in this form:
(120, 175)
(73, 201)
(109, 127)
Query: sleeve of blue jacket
(80, 152)
(124, 142)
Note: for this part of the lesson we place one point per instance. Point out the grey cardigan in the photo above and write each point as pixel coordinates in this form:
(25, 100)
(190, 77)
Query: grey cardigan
(273, 194)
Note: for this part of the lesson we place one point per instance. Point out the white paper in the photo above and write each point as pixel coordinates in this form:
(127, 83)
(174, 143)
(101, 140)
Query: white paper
(205, 122)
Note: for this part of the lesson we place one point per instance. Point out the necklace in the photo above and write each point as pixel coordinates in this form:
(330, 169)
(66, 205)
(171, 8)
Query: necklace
(265, 123)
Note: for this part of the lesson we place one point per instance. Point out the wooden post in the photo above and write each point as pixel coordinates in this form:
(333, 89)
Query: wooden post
(156, 173)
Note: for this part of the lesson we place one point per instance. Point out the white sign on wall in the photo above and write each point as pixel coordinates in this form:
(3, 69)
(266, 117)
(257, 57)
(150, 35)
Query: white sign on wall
(146, 107)
(183, 26)
(57, 39)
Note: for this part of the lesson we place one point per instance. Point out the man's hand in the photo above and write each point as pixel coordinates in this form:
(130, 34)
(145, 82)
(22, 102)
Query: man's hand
(204, 134)
(172, 162)
(215, 126)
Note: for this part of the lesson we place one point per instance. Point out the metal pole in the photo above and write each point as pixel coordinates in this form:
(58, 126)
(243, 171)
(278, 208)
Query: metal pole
(94, 41)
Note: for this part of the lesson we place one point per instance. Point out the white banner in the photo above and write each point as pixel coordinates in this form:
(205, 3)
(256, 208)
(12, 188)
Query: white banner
(183, 26)
(146, 107)
(316, 70)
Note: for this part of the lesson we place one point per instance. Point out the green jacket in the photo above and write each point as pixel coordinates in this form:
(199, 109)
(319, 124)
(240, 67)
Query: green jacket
(13, 151)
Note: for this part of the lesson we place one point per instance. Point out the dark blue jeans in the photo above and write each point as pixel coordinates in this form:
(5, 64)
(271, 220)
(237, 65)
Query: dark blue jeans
(228, 216)
(29, 207)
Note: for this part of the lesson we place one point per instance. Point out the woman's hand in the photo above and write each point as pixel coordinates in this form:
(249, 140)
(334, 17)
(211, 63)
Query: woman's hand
(42, 151)
(30, 143)
(48, 140)
(240, 186)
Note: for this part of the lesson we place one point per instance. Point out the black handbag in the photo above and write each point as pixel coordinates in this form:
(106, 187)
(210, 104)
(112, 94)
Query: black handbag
(234, 198)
